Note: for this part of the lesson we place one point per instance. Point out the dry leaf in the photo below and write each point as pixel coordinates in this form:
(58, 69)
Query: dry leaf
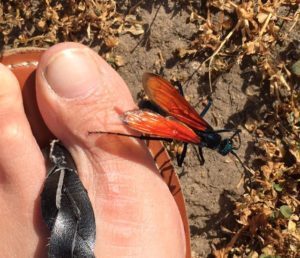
(119, 60)
(111, 41)
(251, 124)
(185, 52)
(136, 29)
(261, 17)
(292, 226)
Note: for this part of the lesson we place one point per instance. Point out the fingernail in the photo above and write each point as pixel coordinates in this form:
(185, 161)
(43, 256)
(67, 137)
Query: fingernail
(72, 73)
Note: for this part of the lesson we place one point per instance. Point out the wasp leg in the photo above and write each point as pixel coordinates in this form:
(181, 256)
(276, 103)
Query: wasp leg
(200, 156)
(237, 132)
(207, 107)
(180, 157)
(179, 87)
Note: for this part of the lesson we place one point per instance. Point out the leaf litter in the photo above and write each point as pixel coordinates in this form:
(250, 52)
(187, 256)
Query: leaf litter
(268, 212)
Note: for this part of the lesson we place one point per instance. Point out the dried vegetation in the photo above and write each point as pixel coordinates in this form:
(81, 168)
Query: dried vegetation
(44, 23)
(258, 33)
(253, 32)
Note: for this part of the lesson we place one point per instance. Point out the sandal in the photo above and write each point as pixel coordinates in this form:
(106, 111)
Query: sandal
(23, 63)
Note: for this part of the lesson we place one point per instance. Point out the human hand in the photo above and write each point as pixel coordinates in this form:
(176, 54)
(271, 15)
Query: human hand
(77, 92)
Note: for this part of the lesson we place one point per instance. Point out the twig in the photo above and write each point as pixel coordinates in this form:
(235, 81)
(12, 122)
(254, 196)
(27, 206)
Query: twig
(265, 25)
(132, 9)
(211, 58)
(147, 31)
(224, 251)
(296, 19)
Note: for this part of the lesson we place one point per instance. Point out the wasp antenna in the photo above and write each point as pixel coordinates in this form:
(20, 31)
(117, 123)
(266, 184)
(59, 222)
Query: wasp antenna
(99, 132)
(236, 132)
(112, 133)
(141, 137)
(241, 162)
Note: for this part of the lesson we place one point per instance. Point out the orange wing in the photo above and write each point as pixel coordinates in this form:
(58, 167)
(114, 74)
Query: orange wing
(154, 124)
(168, 98)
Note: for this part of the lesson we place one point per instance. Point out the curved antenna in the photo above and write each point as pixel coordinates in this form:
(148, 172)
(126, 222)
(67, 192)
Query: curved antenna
(141, 137)
(237, 132)
(241, 162)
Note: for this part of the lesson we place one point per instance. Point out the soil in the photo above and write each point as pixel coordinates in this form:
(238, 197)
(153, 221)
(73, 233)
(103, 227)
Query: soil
(211, 189)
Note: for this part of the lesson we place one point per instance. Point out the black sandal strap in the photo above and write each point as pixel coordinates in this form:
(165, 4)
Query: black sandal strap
(66, 207)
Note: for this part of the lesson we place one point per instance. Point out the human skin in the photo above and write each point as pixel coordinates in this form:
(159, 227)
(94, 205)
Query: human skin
(77, 92)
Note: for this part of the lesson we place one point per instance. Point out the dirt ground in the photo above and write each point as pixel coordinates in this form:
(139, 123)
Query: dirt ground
(210, 190)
